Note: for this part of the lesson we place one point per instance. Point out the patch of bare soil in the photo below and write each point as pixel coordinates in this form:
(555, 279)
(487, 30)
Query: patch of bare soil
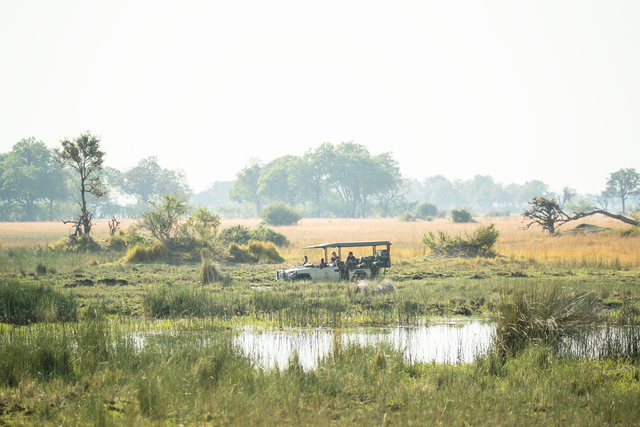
(584, 229)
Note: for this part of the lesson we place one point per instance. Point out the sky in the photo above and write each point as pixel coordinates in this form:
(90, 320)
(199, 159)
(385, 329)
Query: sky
(543, 90)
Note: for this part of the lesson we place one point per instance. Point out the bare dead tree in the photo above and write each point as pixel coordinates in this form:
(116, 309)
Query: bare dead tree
(114, 225)
(548, 214)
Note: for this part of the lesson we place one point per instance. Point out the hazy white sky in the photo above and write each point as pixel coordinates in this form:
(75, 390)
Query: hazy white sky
(544, 90)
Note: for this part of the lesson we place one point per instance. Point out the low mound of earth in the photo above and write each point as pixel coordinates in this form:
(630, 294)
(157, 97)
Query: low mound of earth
(460, 252)
(584, 229)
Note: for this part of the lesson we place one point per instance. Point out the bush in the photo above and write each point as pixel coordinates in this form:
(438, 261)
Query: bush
(442, 213)
(280, 214)
(22, 303)
(41, 269)
(460, 215)
(407, 217)
(117, 242)
(242, 235)
(426, 209)
(266, 234)
(255, 251)
(157, 251)
(496, 214)
(483, 238)
(238, 234)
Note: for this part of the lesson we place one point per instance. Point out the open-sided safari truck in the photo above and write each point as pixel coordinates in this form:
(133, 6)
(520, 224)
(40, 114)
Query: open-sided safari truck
(364, 267)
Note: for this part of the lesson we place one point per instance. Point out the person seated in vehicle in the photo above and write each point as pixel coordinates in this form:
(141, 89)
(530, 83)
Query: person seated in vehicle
(351, 259)
(322, 263)
(334, 257)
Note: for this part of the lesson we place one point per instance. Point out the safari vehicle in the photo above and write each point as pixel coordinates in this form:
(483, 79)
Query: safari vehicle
(365, 267)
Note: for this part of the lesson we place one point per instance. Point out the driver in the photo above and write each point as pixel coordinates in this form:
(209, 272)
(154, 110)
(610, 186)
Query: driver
(322, 263)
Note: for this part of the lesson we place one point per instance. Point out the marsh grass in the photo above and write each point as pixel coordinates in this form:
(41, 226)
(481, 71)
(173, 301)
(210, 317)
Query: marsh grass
(23, 302)
(157, 251)
(115, 372)
(542, 313)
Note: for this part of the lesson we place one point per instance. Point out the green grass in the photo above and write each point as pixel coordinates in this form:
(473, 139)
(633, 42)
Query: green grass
(100, 372)
(157, 349)
(22, 303)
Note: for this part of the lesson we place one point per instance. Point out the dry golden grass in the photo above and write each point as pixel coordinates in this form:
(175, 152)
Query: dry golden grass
(570, 251)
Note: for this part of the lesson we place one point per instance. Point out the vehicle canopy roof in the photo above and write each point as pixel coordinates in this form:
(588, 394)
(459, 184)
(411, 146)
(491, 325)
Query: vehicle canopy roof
(350, 244)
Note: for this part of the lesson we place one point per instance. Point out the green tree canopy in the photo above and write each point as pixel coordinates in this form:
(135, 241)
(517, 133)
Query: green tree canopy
(624, 184)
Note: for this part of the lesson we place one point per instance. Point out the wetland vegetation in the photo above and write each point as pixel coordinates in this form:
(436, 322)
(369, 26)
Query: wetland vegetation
(89, 338)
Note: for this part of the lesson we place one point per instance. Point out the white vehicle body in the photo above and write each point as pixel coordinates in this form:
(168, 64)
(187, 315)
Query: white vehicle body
(365, 267)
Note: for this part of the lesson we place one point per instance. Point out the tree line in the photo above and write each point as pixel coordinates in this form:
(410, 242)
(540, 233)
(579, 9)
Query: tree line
(343, 180)
(37, 184)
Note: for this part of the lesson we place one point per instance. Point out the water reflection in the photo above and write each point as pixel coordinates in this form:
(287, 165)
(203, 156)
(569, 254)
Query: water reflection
(454, 341)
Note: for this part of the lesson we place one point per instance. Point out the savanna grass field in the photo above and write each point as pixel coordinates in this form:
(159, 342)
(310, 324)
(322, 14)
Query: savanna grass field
(89, 338)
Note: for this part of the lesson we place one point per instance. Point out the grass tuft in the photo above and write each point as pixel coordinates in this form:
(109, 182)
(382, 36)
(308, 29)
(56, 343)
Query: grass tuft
(22, 303)
(157, 251)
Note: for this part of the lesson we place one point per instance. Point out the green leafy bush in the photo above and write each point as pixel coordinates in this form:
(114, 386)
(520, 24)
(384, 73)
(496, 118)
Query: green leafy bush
(280, 214)
(425, 209)
(266, 234)
(460, 215)
(483, 238)
(407, 217)
(242, 235)
(157, 251)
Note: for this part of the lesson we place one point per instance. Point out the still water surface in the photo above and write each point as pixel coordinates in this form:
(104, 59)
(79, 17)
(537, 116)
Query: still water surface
(451, 341)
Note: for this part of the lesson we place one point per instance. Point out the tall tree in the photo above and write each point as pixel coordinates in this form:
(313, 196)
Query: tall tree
(148, 178)
(83, 155)
(624, 184)
(349, 174)
(31, 175)
(309, 173)
(245, 187)
(274, 183)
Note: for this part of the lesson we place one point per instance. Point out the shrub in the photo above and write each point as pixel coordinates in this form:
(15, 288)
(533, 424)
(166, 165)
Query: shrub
(23, 302)
(460, 215)
(202, 225)
(266, 234)
(280, 214)
(156, 251)
(255, 251)
(264, 251)
(426, 209)
(239, 234)
(240, 254)
(442, 213)
(407, 217)
(117, 242)
(483, 238)
(495, 214)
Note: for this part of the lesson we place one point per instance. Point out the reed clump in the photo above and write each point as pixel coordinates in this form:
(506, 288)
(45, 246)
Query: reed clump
(534, 313)
(23, 302)
(138, 253)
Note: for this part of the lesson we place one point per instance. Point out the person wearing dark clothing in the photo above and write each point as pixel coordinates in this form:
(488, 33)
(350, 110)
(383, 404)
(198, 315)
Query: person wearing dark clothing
(334, 257)
(351, 258)
(322, 263)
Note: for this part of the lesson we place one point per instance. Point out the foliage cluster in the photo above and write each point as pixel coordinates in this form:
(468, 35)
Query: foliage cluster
(425, 210)
(407, 217)
(484, 238)
(241, 235)
(280, 214)
(254, 251)
(497, 214)
(460, 215)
